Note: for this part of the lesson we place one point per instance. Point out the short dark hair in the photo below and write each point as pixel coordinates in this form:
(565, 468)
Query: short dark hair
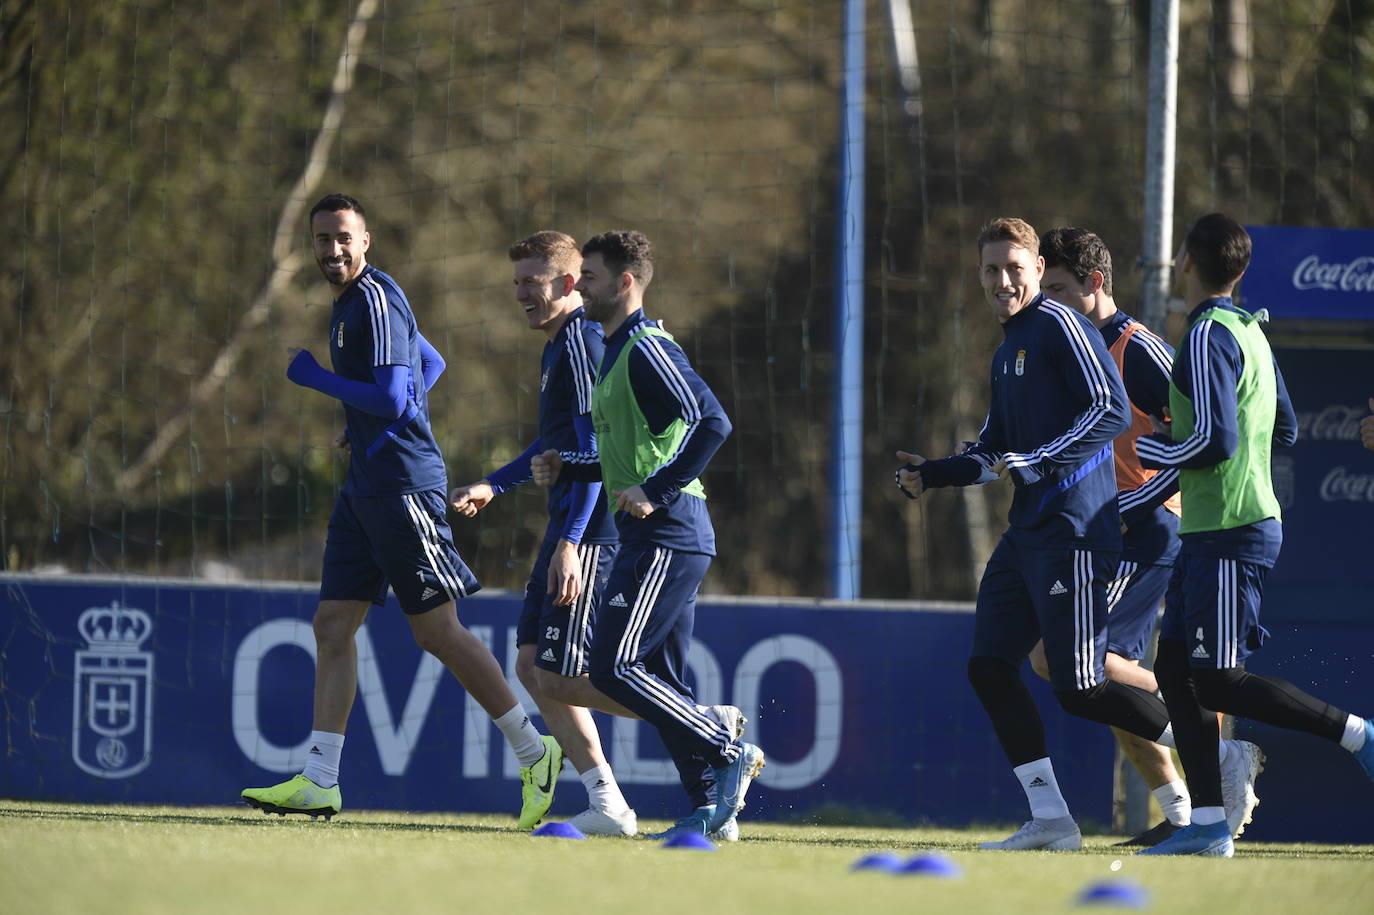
(1078, 251)
(333, 203)
(1009, 228)
(1220, 248)
(559, 251)
(624, 251)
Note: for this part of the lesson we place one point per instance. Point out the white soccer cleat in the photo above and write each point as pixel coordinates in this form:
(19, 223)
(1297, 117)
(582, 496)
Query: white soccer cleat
(1243, 764)
(729, 717)
(1058, 834)
(601, 823)
(727, 833)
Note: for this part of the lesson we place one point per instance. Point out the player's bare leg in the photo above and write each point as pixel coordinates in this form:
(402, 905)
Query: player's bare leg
(572, 725)
(607, 813)
(579, 691)
(336, 661)
(315, 792)
(439, 632)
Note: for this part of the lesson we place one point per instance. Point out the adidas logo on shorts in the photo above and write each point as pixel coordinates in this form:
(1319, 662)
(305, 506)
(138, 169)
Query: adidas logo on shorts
(547, 655)
(618, 600)
(1200, 652)
(1058, 588)
(427, 593)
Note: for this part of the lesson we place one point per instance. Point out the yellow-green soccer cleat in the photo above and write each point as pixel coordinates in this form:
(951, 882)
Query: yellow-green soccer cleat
(536, 784)
(299, 795)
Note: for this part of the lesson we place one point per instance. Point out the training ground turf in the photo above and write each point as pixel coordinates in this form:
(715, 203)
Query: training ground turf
(61, 858)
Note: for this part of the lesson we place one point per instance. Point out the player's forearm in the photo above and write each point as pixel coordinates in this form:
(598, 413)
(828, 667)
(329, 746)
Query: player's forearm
(581, 504)
(1086, 437)
(956, 470)
(512, 474)
(432, 363)
(697, 449)
(1136, 504)
(579, 467)
(386, 396)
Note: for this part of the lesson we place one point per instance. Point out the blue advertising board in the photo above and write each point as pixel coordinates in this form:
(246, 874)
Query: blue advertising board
(1311, 273)
(1325, 487)
(144, 690)
(128, 690)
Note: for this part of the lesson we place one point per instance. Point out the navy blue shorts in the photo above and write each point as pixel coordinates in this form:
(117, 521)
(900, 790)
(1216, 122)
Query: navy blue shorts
(1212, 606)
(562, 636)
(1133, 600)
(1057, 594)
(639, 654)
(402, 541)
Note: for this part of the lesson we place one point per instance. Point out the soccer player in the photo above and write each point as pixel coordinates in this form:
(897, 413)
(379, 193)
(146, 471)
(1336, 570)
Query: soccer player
(1228, 405)
(388, 525)
(1367, 427)
(554, 632)
(1057, 404)
(657, 427)
(1078, 273)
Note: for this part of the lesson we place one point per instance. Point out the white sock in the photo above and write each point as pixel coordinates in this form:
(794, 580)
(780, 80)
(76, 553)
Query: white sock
(1167, 738)
(1206, 816)
(1042, 789)
(524, 739)
(322, 766)
(1175, 802)
(602, 792)
(1353, 738)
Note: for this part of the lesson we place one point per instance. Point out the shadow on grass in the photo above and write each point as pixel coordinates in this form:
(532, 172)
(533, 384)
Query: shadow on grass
(246, 817)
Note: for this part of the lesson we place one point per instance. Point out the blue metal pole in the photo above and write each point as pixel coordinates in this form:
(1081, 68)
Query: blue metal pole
(847, 443)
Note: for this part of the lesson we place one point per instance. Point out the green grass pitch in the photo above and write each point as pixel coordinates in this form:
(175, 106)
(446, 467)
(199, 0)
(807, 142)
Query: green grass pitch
(59, 858)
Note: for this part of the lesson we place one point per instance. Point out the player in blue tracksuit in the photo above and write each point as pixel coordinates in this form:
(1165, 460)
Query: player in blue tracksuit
(1057, 404)
(658, 425)
(388, 527)
(553, 635)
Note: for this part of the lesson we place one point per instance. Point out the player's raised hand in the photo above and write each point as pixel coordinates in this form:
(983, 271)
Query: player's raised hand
(565, 574)
(470, 499)
(908, 476)
(1367, 427)
(303, 366)
(633, 501)
(546, 467)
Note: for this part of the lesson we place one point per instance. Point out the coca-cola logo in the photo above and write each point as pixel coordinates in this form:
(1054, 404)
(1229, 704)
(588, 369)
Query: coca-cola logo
(1355, 276)
(1340, 486)
(1332, 423)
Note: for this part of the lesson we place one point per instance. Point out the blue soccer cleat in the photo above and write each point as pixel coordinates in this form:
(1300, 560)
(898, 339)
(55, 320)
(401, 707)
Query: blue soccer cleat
(732, 783)
(694, 822)
(1365, 754)
(1212, 840)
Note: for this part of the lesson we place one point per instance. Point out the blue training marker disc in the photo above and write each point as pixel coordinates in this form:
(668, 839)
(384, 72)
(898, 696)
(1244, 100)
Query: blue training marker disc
(559, 831)
(881, 861)
(1121, 893)
(694, 840)
(931, 864)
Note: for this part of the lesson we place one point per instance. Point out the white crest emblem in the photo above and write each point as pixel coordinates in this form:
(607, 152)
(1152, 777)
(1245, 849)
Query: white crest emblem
(112, 695)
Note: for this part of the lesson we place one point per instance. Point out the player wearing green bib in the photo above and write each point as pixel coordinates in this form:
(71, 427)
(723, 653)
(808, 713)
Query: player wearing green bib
(1229, 406)
(657, 426)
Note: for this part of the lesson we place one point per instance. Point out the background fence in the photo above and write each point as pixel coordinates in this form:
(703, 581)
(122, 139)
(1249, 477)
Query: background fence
(160, 158)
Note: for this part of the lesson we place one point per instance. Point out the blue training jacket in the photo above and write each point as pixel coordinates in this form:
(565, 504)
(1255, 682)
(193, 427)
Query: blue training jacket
(1057, 404)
